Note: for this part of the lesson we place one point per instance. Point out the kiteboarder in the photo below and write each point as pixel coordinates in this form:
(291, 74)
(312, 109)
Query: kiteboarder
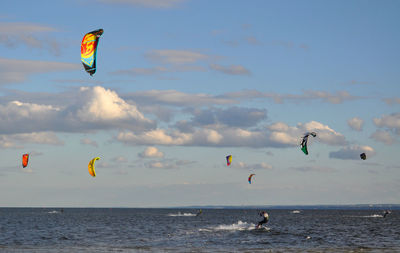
(199, 213)
(265, 216)
(386, 213)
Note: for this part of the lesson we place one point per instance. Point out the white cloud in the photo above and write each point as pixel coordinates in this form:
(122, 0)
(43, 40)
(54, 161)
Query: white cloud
(177, 98)
(391, 122)
(174, 61)
(167, 164)
(15, 71)
(231, 70)
(163, 113)
(213, 136)
(20, 28)
(19, 140)
(97, 108)
(105, 105)
(383, 136)
(17, 117)
(254, 166)
(326, 97)
(283, 138)
(156, 165)
(278, 135)
(40, 138)
(284, 135)
(280, 127)
(17, 110)
(155, 137)
(88, 109)
(356, 123)
(176, 56)
(352, 152)
(232, 116)
(281, 133)
(151, 152)
(324, 133)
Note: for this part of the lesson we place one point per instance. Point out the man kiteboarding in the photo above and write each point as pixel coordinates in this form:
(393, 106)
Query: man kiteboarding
(264, 220)
(386, 213)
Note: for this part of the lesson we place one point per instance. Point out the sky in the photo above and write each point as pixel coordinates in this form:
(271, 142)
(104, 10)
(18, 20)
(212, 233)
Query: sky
(181, 84)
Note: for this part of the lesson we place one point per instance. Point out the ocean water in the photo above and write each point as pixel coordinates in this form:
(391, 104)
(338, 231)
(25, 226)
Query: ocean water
(180, 230)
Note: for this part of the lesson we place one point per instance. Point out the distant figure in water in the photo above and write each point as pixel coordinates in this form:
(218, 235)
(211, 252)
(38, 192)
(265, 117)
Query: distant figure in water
(264, 220)
(200, 212)
(386, 213)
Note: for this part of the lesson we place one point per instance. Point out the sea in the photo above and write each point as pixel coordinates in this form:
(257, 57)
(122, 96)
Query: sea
(180, 230)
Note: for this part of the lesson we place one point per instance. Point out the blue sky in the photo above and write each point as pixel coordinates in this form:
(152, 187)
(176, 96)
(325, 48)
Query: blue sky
(180, 84)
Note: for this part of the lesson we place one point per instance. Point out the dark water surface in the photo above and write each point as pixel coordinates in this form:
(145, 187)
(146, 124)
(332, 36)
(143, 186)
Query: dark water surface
(179, 230)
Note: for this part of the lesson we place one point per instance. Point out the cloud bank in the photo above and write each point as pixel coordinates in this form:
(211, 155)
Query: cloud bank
(204, 120)
(151, 152)
(355, 123)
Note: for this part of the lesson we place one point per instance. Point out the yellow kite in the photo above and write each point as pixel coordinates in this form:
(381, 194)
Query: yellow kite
(91, 166)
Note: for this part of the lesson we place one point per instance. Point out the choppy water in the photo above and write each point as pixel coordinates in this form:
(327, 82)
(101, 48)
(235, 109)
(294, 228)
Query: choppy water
(180, 230)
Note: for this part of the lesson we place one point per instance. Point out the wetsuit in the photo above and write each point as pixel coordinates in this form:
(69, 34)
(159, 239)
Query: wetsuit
(264, 220)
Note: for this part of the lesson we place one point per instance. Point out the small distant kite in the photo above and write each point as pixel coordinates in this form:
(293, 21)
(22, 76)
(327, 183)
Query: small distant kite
(91, 166)
(229, 160)
(25, 160)
(89, 50)
(251, 175)
(305, 140)
(363, 156)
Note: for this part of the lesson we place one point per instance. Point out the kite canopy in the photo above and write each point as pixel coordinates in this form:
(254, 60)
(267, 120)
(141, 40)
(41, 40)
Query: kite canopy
(305, 140)
(251, 175)
(229, 160)
(363, 156)
(89, 49)
(91, 166)
(25, 160)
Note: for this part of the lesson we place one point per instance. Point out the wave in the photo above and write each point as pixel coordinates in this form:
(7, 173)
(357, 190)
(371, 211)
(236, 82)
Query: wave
(239, 226)
(366, 216)
(181, 214)
(373, 216)
(295, 211)
(54, 211)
